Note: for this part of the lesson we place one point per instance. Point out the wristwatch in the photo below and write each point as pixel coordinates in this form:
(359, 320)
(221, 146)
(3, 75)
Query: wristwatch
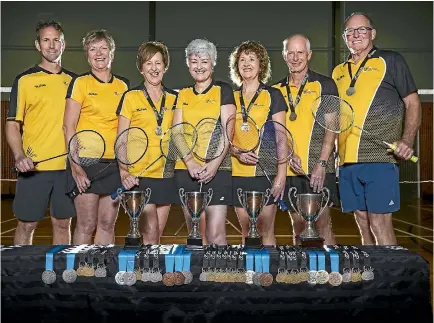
(322, 163)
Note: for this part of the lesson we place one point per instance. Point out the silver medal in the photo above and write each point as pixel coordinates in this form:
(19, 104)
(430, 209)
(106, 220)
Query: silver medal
(146, 276)
(119, 278)
(48, 277)
(346, 277)
(293, 116)
(312, 277)
(202, 276)
(69, 276)
(368, 274)
(158, 131)
(188, 276)
(130, 278)
(101, 272)
(249, 277)
(245, 127)
(350, 91)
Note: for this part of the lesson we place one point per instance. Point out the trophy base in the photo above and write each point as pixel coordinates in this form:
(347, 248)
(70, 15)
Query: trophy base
(253, 243)
(194, 244)
(310, 242)
(132, 242)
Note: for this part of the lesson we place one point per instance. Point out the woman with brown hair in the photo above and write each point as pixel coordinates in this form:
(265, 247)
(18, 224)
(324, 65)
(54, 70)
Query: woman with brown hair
(250, 69)
(150, 106)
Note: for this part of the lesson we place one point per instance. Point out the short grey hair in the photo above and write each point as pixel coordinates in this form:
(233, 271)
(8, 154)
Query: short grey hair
(285, 43)
(358, 13)
(201, 48)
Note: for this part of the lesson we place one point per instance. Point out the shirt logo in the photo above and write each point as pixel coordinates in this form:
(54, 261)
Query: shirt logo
(258, 105)
(66, 83)
(369, 69)
(184, 103)
(30, 153)
(210, 101)
(141, 109)
(118, 93)
(92, 93)
(340, 77)
(309, 92)
(40, 85)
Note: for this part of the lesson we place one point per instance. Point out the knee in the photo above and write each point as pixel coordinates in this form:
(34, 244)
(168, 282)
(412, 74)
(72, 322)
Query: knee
(380, 221)
(61, 224)
(298, 224)
(106, 224)
(27, 227)
(86, 225)
(361, 217)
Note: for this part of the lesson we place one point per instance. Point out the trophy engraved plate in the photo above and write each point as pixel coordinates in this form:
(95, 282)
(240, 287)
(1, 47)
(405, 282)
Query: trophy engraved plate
(195, 203)
(133, 203)
(309, 207)
(253, 202)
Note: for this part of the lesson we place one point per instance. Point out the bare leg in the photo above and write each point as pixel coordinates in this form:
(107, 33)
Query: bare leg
(216, 224)
(107, 215)
(24, 233)
(324, 227)
(364, 225)
(266, 225)
(382, 228)
(298, 225)
(86, 207)
(61, 231)
(149, 225)
(243, 219)
(163, 214)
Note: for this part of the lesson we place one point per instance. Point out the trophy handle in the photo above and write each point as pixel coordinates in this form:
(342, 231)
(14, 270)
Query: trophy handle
(210, 193)
(324, 190)
(267, 197)
(290, 200)
(241, 198)
(182, 197)
(147, 196)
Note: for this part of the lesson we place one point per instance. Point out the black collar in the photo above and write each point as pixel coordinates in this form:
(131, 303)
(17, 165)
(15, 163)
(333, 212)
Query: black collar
(206, 90)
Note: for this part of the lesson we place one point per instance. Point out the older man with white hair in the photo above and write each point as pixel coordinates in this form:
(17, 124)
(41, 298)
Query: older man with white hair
(313, 148)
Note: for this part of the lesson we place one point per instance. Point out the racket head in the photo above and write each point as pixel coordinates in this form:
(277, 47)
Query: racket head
(86, 147)
(242, 133)
(276, 142)
(333, 113)
(210, 139)
(131, 145)
(178, 141)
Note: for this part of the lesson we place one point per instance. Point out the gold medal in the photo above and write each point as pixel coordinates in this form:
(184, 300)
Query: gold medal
(335, 278)
(322, 277)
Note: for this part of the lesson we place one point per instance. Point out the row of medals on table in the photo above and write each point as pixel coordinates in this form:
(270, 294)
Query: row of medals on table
(222, 264)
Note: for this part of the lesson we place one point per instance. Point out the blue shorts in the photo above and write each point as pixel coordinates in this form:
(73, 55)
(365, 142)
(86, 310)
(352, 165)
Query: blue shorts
(372, 187)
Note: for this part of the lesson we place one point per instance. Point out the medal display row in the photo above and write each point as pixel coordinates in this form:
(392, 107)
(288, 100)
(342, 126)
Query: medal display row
(333, 265)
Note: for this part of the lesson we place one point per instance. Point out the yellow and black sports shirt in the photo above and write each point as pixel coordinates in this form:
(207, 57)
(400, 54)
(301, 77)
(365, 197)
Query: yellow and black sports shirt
(38, 101)
(269, 102)
(135, 107)
(99, 101)
(197, 106)
(377, 102)
(307, 134)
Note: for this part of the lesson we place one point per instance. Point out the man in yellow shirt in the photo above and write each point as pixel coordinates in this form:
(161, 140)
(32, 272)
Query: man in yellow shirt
(36, 107)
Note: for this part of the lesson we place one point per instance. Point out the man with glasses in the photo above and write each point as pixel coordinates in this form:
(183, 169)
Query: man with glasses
(379, 86)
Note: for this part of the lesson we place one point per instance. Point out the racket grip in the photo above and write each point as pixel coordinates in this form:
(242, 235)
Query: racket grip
(413, 158)
(73, 193)
(119, 191)
(282, 205)
(14, 169)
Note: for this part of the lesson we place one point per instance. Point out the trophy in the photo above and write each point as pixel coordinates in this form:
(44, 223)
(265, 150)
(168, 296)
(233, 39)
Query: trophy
(253, 202)
(195, 203)
(134, 202)
(310, 207)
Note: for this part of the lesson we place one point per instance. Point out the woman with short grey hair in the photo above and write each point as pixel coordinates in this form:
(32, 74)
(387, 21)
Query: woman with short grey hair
(207, 98)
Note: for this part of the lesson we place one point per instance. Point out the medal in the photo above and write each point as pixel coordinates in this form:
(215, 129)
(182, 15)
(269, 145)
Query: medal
(188, 276)
(293, 104)
(101, 271)
(293, 116)
(368, 274)
(169, 279)
(266, 279)
(350, 91)
(130, 278)
(312, 277)
(158, 131)
(138, 273)
(48, 277)
(322, 277)
(119, 278)
(245, 127)
(249, 277)
(69, 276)
(335, 278)
(179, 278)
(202, 276)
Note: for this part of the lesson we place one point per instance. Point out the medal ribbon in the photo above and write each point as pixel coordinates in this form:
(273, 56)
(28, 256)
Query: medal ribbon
(186, 260)
(258, 261)
(252, 101)
(169, 259)
(334, 260)
(265, 261)
(249, 260)
(312, 260)
(49, 257)
(354, 79)
(122, 260)
(179, 258)
(321, 260)
(70, 257)
(131, 259)
(158, 115)
(293, 104)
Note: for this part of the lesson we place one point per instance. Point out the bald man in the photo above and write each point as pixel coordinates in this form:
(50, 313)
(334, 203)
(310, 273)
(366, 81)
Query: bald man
(313, 148)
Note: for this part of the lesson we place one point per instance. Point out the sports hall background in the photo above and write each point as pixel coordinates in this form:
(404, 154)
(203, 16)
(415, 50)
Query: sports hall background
(406, 27)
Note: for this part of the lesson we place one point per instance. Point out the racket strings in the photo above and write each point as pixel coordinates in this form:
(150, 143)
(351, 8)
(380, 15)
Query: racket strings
(131, 145)
(86, 148)
(178, 141)
(332, 113)
(210, 140)
(243, 135)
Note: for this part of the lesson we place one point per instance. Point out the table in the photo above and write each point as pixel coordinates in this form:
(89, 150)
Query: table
(400, 291)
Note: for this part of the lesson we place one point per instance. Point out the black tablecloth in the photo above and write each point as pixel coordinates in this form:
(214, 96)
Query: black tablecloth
(400, 291)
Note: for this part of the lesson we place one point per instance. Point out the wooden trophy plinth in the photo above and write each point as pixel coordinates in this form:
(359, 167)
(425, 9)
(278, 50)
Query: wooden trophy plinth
(310, 242)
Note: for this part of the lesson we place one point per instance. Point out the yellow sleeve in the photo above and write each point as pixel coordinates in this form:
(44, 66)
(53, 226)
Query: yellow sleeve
(125, 107)
(77, 90)
(17, 103)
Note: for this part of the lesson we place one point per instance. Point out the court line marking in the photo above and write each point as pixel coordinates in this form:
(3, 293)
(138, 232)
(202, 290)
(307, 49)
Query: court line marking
(8, 220)
(413, 224)
(420, 208)
(414, 235)
(1, 234)
(177, 231)
(234, 226)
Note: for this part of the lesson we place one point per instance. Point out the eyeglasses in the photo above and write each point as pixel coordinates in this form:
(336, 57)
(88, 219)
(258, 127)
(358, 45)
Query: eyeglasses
(360, 30)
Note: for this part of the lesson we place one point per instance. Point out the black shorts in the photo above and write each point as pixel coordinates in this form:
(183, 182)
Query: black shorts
(258, 183)
(221, 185)
(163, 190)
(34, 191)
(301, 183)
(105, 183)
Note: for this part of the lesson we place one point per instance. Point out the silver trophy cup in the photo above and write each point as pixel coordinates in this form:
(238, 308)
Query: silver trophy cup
(195, 203)
(134, 202)
(310, 207)
(253, 202)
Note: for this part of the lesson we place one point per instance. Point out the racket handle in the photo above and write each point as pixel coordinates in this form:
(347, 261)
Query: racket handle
(413, 158)
(73, 194)
(119, 191)
(14, 169)
(282, 205)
